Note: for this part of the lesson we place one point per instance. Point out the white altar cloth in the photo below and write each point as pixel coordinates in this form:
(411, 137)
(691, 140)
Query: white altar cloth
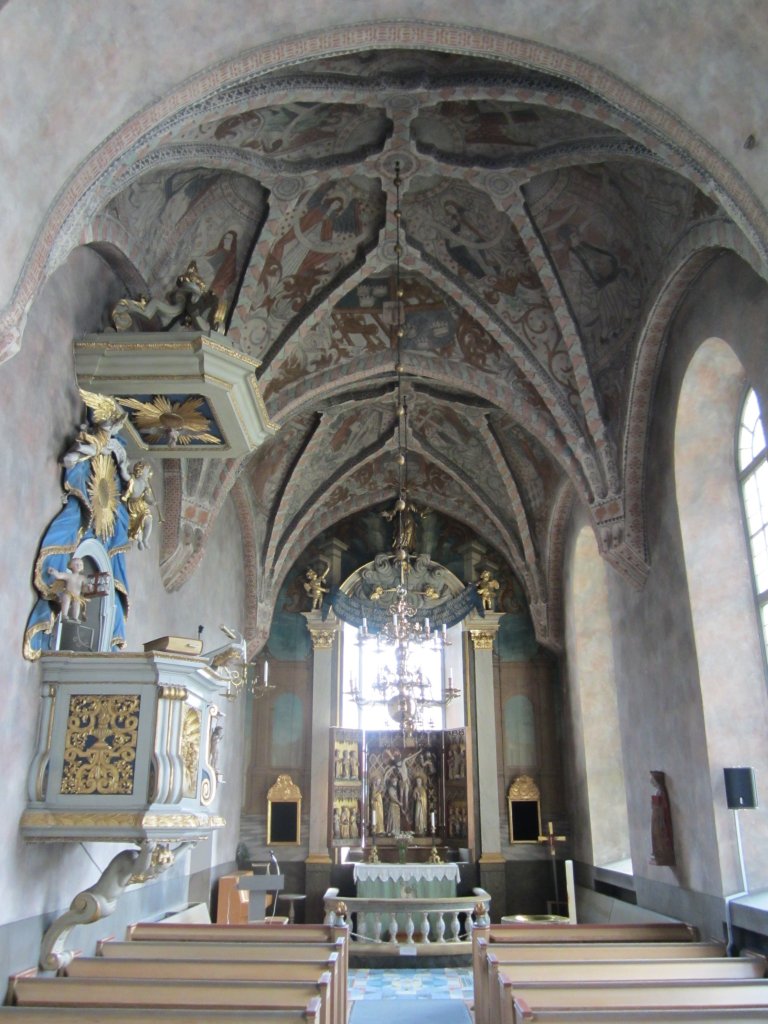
(406, 873)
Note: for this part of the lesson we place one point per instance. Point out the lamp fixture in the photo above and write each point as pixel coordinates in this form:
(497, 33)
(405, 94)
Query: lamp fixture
(404, 691)
(244, 679)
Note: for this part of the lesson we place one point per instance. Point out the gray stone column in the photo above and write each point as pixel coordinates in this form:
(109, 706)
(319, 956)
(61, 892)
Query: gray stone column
(318, 864)
(482, 632)
(324, 634)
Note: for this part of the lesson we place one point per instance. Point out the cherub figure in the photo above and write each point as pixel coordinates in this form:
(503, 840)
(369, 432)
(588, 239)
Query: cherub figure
(314, 586)
(69, 589)
(487, 588)
(139, 497)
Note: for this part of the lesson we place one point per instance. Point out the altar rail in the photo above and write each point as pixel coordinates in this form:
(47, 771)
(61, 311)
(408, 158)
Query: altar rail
(440, 920)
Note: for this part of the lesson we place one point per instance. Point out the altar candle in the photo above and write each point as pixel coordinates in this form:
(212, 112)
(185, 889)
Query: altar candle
(266, 672)
(373, 819)
(432, 820)
(365, 624)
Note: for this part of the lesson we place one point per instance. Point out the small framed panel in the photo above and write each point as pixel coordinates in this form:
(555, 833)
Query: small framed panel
(524, 809)
(284, 813)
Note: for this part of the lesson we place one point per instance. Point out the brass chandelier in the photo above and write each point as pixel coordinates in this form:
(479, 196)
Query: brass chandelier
(406, 692)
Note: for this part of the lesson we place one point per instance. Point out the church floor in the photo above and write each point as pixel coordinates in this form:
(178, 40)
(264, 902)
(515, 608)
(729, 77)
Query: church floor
(433, 983)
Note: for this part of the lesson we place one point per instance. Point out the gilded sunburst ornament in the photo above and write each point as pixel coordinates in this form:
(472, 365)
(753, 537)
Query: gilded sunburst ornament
(162, 421)
(102, 490)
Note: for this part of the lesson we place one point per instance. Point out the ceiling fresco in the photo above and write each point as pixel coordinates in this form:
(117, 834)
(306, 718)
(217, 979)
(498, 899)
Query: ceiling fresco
(536, 226)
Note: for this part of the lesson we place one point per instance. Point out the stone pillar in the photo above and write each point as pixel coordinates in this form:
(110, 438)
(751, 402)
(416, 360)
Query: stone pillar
(492, 865)
(323, 635)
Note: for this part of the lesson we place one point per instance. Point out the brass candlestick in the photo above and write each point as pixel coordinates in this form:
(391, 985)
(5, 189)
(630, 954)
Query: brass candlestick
(372, 855)
(434, 856)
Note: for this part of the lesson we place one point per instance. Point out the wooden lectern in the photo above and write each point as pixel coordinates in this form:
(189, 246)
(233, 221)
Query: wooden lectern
(258, 887)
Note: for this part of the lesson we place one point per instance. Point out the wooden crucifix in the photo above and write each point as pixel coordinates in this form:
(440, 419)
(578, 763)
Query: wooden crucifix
(552, 840)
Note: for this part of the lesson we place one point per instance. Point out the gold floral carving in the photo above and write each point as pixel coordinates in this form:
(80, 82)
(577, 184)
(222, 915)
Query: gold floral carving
(523, 788)
(322, 639)
(482, 639)
(190, 749)
(100, 744)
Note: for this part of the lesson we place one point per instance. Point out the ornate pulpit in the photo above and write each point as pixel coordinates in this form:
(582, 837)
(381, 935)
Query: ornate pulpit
(126, 751)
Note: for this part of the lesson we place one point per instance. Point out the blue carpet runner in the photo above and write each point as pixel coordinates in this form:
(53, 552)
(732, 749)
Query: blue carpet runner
(409, 1011)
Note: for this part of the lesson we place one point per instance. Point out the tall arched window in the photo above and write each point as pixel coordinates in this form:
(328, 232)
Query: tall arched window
(753, 476)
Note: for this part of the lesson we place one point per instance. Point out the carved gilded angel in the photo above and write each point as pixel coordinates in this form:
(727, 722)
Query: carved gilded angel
(100, 436)
(139, 497)
(487, 588)
(314, 586)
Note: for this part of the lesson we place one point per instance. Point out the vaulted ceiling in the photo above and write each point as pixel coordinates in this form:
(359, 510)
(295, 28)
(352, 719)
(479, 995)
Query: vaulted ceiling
(546, 236)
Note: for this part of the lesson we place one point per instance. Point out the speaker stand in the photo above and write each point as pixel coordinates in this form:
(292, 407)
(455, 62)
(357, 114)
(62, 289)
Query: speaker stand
(730, 950)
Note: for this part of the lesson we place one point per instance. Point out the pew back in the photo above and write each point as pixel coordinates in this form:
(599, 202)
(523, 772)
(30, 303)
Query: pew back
(517, 1000)
(309, 952)
(560, 935)
(280, 970)
(668, 1015)
(577, 972)
(256, 932)
(158, 994)
(310, 1014)
(283, 970)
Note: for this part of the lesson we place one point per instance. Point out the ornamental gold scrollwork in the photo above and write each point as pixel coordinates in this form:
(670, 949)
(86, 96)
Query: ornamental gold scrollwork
(322, 639)
(284, 789)
(119, 820)
(523, 788)
(482, 639)
(100, 744)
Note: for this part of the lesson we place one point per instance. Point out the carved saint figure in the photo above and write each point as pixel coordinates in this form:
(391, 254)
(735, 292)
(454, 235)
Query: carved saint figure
(69, 589)
(419, 807)
(393, 809)
(405, 530)
(216, 736)
(662, 839)
(377, 806)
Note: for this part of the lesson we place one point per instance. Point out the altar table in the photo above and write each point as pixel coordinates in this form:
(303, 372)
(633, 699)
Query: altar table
(401, 881)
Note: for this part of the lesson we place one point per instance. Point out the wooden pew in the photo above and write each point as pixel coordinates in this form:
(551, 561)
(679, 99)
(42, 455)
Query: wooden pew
(250, 933)
(522, 1003)
(701, 969)
(664, 1015)
(153, 994)
(256, 952)
(531, 931)
(483, 936)
(254, 932)
(281, 969)
(311, 1014)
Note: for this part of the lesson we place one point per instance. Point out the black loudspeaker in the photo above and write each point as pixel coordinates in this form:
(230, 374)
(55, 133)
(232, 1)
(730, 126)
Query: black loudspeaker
(740, 791)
